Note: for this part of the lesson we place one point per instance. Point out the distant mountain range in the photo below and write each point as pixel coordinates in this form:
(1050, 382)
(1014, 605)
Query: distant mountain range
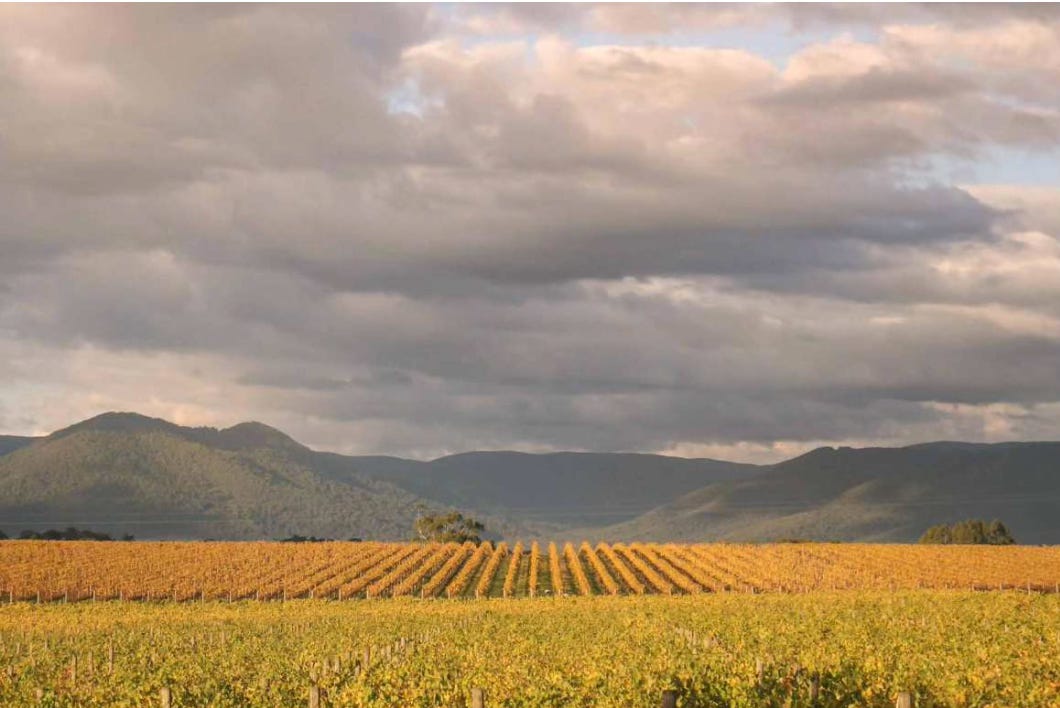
(127, 473)
(872, 494)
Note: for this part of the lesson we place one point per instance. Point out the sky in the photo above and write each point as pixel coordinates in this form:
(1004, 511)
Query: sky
(730, 231)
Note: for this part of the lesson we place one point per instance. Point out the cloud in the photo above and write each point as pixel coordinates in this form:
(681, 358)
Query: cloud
(683, 19)
(422, 230)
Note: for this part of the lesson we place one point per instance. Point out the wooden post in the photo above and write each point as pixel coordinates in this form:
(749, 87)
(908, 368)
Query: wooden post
(73, 669)
(314, 697)
(165, 697)
(905, 700)
(815, 686)
(478, 698)
(110, 657)
(760, 670)
(669, 699)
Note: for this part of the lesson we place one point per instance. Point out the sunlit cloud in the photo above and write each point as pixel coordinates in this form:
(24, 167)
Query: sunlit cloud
(708, 230)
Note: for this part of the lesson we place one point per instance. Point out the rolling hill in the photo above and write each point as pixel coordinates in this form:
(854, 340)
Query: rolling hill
(127, 473)
(882, 494)
(561, 489)
(10, 443)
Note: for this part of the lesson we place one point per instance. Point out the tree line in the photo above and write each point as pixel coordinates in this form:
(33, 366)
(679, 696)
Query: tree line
(70, 533)
(972, 531)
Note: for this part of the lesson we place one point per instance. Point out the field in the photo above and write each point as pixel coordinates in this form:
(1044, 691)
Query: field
(49, 571)
(858, 648)
(270, 624)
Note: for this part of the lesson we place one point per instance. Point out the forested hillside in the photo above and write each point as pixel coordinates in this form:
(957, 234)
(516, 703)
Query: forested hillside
(891, 494)
(125, 473)
(130, 474)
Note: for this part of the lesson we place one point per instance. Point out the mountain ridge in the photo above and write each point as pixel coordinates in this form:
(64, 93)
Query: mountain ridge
(884, 494)
(246, 434)
(10, 443)
(156, 484)
(251, 480)
(129, 473)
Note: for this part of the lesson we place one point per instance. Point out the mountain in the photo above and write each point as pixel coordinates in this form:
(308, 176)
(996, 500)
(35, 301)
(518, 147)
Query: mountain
(244, 436)
(10, 443)
(128, 473)
(122, 472)
(564, 489)
(882, 494)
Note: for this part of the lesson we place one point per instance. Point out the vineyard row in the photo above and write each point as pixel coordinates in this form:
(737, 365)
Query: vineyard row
(47, 571)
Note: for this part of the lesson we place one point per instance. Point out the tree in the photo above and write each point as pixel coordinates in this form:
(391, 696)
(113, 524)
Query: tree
(453, 526)
(937, 534)
(972, 531)
(998, 534)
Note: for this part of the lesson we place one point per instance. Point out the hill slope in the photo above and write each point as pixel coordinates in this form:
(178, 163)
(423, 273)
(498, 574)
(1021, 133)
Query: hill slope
(128, 473)
(890, 494)
(10, 443)
(123, 473)
(565, 488)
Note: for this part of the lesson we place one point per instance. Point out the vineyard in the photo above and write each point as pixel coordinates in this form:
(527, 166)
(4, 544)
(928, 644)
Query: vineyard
(48, 571)
(830, 650)
(261, 624)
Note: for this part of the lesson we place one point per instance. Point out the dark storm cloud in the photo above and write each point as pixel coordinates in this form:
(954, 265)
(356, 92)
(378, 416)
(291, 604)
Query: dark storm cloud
(349, 222)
